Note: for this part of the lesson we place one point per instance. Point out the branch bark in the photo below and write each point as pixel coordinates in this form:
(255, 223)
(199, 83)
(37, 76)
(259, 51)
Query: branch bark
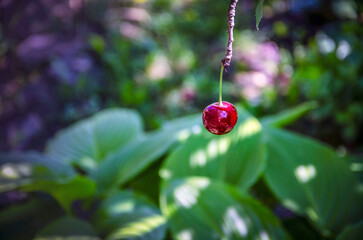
(226, 61)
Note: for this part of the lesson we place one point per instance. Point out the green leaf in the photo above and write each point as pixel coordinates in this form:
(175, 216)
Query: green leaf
(199, 208)
(87, 142)
(35, 172)
(300, 228)
(141, 183)
(65, 192)
(288, 116)
(126, 215)
(29, 215)
(352, 232)
(188, 123)
(15, 212)
(67, 228)
(19, 169)
(124, 164)
(238, 158)
(310, 179)
(259, 13)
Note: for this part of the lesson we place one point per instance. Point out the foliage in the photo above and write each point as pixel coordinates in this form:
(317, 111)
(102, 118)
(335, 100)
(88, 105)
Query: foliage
(132, 174)
(207, 188)
(352, 232)
(329, 70)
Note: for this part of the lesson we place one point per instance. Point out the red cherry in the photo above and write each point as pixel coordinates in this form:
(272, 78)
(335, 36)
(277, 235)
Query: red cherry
(220, 119)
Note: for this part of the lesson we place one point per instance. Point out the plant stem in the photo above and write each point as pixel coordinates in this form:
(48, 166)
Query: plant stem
(226, 61)
(231, 13)
(220, 86)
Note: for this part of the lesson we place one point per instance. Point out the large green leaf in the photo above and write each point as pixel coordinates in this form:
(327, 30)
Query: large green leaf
(238, 158)
(310, 179)
(124, 164)
(352, 232)
(288, 116)
(67, 228)
(126, 215)
(87, 142)
(65, 192)
(19, 169)
(199, 208)
(29, 215)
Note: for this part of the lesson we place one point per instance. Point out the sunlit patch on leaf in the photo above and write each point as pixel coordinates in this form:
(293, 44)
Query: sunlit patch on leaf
(187, 195)
(185, 234)
(305, 173)
(249, 128)
(137, 229)
(199, 158)
(232, 218)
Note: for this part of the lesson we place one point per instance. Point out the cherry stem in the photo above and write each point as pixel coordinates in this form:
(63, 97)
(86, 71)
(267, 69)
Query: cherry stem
(220, 86)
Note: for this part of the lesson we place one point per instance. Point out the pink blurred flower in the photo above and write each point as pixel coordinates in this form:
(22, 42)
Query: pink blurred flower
(264, 57)
(187, 94)
(265, 70)
(252, 84)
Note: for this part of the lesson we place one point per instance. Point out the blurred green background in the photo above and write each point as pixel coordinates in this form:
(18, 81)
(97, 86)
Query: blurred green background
(65, 61)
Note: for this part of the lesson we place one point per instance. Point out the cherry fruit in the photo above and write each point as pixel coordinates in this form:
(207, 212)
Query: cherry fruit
(221, 118)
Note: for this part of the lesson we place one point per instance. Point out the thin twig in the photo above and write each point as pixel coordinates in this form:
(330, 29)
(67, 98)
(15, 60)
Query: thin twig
(226, 62)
